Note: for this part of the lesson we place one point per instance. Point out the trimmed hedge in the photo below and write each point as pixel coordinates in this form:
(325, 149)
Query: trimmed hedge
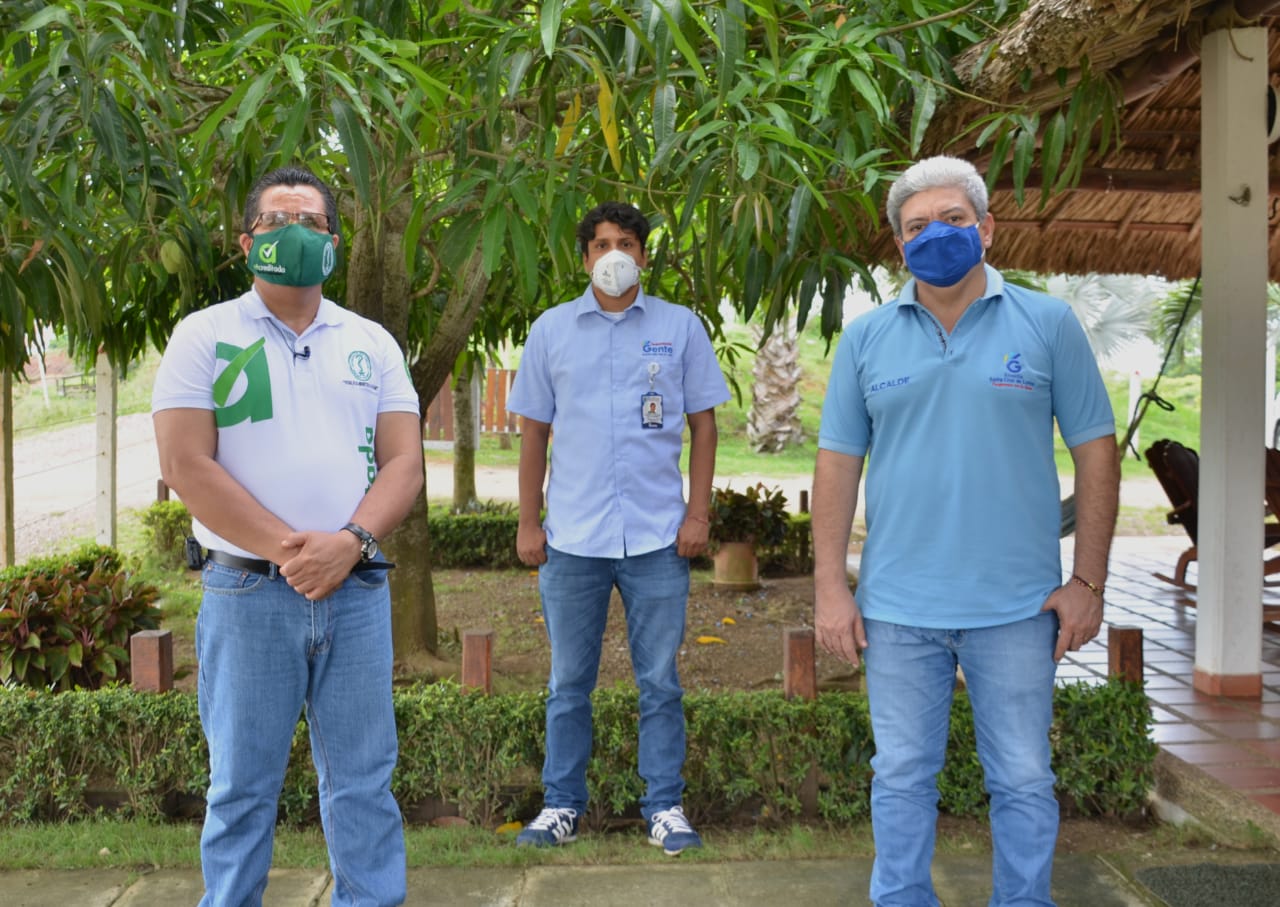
(483, 538)
(488, 539)
(63, 756)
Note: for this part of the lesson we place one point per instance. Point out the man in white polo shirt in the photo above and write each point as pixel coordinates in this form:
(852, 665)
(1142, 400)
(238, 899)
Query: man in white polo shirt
(289, 427)
(616, 374)
(952, 391)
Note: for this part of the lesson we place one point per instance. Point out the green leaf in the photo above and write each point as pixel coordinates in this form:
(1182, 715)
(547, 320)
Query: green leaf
(926, 97)
(664, 114)
(549, 22)
(493, 243)
(354, 141)
(1051, 153)
(748, 159)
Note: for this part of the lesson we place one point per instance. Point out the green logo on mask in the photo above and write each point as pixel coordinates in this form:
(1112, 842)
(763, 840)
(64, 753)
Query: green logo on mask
(293, 256)
(255, 402)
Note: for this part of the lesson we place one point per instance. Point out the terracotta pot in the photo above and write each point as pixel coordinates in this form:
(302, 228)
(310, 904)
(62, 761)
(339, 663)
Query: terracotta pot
(735, 566)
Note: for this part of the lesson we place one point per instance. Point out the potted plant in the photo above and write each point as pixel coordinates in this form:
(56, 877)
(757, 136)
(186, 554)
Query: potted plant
(740, 523)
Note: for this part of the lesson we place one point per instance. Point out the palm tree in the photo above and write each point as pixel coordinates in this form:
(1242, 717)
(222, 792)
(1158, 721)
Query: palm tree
(774, 420)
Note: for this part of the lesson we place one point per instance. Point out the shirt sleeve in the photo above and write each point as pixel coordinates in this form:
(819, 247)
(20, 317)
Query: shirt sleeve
(532, 393)
(397, 391)
(704, 384)
(184, 379)
(1080, 402)
(846, 425)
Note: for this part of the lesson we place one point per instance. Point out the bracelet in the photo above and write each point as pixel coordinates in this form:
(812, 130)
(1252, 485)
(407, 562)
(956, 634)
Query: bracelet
(699, 519)
(1096, 590)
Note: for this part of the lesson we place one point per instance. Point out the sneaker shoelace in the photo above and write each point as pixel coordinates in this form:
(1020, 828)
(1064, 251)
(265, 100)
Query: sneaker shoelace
(550, 819)
(672, 821)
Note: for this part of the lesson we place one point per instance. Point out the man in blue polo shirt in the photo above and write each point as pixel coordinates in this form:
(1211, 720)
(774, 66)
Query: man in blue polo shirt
(616, 374)
(952, 391)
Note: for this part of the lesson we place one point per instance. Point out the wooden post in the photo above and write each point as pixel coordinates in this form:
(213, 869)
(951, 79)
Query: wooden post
(800, 679)
(151, 660)
(804, 500)
(105, 393)
(799, 671)
(1124, 653)
(162, 491)
(477, 660)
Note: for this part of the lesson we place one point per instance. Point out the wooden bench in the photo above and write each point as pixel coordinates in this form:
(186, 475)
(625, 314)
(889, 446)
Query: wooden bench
(84, 382)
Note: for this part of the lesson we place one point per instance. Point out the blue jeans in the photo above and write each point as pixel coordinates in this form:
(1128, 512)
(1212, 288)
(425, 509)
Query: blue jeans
(265, 652)
(575, 595)
(1008, 671)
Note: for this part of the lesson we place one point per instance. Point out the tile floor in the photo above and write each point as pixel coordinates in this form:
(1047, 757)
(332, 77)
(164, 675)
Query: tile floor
(1236, 741)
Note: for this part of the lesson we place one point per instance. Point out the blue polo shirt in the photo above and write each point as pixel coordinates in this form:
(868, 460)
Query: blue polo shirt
(615, 487)
(962, 498)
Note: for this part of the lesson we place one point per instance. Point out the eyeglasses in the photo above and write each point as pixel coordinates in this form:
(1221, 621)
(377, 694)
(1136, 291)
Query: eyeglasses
(274, 220)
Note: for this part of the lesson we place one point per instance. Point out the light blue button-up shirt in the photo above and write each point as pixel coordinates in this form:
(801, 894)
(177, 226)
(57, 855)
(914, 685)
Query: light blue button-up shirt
(615, 487)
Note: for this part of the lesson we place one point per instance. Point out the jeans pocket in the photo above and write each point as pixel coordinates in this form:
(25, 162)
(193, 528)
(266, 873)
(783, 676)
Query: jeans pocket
(370, 579)
(224, 580)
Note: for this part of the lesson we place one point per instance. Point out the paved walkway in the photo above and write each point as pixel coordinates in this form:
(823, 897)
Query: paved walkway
(960, 882)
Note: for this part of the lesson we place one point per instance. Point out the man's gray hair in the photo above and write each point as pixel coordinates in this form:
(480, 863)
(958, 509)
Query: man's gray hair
(934, 173)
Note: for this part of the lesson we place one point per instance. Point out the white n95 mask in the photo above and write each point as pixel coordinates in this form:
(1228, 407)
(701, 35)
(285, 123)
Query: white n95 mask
(615, 272)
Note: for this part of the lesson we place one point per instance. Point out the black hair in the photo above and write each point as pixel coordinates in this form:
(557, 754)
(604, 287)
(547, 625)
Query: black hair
(627, 217)
(289, 176)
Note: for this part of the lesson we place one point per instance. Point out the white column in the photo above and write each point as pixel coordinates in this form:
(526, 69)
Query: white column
(1233, 160)
(105, 444)
(1269, 421)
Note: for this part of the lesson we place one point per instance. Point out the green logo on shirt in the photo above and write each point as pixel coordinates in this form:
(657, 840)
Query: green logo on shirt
(255, 402)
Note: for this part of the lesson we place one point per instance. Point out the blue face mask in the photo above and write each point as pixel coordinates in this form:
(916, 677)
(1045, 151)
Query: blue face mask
(941, 255)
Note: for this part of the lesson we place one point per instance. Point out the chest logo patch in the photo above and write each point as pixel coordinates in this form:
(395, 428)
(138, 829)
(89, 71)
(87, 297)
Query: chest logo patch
(658, 349)
(361, 365)
(1012, 377)
(254, 402)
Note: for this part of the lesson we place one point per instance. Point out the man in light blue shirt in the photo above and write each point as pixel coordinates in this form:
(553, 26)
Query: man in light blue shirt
(615, 374)
(951, 393)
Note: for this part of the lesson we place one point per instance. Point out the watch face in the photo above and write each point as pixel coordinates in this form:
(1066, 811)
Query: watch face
(369, 549)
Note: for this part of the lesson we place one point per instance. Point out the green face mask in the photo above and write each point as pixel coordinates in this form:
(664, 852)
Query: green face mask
(293, 256)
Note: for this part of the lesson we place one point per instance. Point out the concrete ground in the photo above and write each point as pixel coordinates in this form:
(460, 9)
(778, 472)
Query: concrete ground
(960, 882)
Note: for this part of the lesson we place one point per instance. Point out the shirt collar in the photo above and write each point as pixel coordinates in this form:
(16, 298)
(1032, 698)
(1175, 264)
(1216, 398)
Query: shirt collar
(995, 287)
(588, 303)
(329, 312)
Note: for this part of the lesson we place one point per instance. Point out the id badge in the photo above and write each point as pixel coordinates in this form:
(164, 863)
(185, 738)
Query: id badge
(651, 410)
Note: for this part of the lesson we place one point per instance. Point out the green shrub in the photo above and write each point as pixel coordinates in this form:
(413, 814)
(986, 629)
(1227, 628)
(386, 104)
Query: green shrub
(757, 515)
(793, 556)
(480, 539)
(166, 525)
(63, 630)
(83, 559)
(750, 754)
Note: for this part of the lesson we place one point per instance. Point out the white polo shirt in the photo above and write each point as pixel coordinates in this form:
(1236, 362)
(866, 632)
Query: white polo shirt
(296, 415)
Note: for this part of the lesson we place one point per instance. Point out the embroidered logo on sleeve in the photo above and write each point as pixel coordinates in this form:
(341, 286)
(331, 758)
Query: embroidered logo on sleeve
(248, 377)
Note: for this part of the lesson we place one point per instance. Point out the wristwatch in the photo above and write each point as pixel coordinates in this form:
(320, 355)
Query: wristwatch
(368, 544)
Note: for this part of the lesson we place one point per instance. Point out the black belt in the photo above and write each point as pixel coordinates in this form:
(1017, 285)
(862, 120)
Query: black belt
(248, 564)
(267, 568)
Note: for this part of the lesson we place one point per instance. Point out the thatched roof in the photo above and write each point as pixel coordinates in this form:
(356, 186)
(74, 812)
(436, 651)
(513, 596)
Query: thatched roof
(1137, 207)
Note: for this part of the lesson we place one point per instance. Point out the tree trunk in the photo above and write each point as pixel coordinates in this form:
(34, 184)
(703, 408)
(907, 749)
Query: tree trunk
(774, 421)
(464, 439)
(378, 288)
(7, 549)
